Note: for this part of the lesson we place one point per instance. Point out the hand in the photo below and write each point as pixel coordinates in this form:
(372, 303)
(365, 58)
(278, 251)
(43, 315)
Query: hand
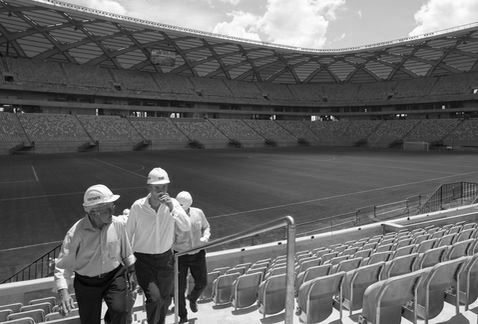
(131, 282)
(165, 199)
(66, 302)
(204, 239)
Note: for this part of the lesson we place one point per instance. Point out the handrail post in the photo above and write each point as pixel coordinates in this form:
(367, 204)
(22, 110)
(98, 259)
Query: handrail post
(289, 301)
(176, 288)
(287, 222)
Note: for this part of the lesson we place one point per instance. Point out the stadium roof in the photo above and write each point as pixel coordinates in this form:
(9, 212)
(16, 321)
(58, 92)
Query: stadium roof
(56, 31)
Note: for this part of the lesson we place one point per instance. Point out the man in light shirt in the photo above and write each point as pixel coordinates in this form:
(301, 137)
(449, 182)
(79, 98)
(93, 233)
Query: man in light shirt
(196, 263)
(98, 251)
(150, 226)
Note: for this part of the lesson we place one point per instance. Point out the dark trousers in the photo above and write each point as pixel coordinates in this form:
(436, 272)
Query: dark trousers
(196, 263)
(110, 287)
(155, 274)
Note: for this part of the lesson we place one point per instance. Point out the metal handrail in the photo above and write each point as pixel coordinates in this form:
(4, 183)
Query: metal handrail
(287, 222)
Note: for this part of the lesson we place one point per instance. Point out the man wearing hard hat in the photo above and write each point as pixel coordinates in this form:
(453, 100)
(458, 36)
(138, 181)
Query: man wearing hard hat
(97, 250)
(195, 263)
(150, 226)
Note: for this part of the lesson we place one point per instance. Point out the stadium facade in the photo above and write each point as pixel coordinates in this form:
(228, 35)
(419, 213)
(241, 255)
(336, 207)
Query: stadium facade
(62, 58)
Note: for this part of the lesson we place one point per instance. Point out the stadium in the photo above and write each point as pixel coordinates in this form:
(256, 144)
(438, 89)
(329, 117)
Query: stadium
(352, 170)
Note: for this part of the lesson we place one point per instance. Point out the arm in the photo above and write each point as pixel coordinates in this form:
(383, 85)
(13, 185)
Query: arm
(63, 271)
(127, 257)
(180, 217)
(131, 224)
(205, 227)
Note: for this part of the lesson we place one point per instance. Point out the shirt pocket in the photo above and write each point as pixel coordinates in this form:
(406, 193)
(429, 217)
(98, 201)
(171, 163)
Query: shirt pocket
(114, 250)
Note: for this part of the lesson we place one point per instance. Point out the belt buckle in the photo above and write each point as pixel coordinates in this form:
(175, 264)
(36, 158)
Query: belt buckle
(102, 275)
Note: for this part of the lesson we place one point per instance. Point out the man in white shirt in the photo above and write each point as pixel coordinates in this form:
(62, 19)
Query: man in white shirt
(196, 262)
(150, 226)
(98, 251)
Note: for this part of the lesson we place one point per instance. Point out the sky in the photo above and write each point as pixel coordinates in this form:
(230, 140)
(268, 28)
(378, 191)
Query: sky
(318, 24)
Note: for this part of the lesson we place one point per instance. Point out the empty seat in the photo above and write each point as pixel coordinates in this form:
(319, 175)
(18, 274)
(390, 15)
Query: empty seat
(24, 320)
(403, 242)
(347, 265)
(316, 297)
(420, 238)
(350, 251)
(426, 245)
(363, 253)
(404, 250)
(222, 288)
(399, 266)
(384, 248)
(337, 259)
(438, 234)
(379, 257)
(383, 300)
(459, 249)
(469, 281)
(464, 235)
(275, 271)
(307, 264)
(431, 257)
(329, 256)
(58, 316)
(245, 290)
(271, 295)
(311, 273)
(15, 307)
(51, 300)
(221, 270)
(38, 315)
(45, 306)
(355, 283)
(431, 290)
(4, 314)
(257, 270)
(446, 240)
(240, 270)
(207, 292)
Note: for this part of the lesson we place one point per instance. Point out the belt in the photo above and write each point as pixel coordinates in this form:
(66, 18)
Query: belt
(102, 275)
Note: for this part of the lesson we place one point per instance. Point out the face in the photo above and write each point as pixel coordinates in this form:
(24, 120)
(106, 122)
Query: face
(157, 190)
(102, 214)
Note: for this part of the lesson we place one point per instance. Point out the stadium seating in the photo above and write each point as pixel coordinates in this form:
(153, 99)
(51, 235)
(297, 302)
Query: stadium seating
(464, 135)
(161, 131)
(390, 132)
(272, 132)
(316, 297)
(54, 132)
(332, 133)
(11, 132)
(431, 130)
(238, 130)
(112, 132)
(203, 131)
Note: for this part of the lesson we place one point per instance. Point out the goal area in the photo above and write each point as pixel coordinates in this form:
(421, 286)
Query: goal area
(416, 146)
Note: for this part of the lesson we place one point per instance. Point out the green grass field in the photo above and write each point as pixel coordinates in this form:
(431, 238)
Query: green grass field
(41, 196)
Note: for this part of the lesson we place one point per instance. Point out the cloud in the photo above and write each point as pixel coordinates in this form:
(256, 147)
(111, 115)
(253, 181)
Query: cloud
(233, 2)
(242, 25)
(301, 23)
(104, 5)
(441, 14)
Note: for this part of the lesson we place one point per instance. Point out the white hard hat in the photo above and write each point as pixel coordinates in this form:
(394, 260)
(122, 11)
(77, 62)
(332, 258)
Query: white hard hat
(98, 194)
(158, 176)
(185, 200)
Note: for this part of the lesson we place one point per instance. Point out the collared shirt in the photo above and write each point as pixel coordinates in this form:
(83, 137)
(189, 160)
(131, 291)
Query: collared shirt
(186, 240)
(152, 231)
(90, 251)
